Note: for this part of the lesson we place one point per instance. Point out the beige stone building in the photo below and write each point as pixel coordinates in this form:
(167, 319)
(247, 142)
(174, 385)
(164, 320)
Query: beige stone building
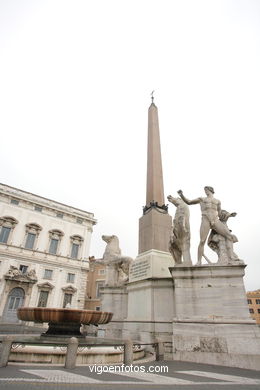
(44, 251)
(253, 300)
(96, 280)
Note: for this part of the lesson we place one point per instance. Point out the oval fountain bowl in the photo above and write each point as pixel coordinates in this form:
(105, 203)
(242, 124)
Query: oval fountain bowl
(53, 315)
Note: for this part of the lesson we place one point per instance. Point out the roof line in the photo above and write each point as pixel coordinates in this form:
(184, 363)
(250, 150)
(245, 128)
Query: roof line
(42, 197)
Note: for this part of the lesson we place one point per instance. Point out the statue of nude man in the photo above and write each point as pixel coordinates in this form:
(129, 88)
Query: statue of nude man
(210, 213)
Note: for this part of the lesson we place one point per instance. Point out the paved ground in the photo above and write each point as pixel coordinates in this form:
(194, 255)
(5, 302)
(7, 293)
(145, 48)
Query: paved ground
(180, 375)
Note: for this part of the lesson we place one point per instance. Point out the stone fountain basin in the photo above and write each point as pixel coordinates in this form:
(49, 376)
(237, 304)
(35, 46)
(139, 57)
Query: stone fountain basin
(53, 315)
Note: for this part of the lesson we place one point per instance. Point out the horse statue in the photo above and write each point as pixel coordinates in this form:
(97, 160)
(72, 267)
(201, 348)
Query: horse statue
(179, 245)
(117, 265)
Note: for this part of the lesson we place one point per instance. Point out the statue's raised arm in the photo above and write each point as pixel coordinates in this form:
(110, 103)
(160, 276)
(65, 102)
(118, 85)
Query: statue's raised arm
(186, 200)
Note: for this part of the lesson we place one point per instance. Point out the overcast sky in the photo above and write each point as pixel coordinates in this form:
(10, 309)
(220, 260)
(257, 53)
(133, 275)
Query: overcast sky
(75, 84)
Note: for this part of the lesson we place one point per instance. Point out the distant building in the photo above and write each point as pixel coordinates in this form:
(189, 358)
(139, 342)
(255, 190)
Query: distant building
(253, 300)
(44, 250)
(96, 280)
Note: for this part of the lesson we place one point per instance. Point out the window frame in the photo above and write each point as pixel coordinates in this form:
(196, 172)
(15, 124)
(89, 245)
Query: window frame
(55, 234)
(69, 279)
(32, 228)
(46, 273)
(8, 223)
(76, 240)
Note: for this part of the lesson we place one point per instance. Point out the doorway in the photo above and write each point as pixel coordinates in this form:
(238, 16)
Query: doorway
(14, 301)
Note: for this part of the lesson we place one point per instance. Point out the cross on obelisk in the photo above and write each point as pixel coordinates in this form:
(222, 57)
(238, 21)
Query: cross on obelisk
(155, 224)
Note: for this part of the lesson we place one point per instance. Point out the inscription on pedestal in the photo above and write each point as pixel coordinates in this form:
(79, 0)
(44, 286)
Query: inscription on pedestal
(140, 269)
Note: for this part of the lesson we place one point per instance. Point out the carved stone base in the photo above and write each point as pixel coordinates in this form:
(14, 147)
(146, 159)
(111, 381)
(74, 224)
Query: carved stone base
(212, 323)
(225, 344)
(210, 292)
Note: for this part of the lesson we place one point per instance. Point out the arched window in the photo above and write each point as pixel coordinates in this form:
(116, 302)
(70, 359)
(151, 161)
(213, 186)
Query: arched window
(55, 239)
(32, 233)
(76, 242)
(7, 225)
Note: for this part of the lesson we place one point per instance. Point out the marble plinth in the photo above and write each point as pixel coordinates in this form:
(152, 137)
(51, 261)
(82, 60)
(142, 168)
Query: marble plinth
(114, 299)
(150, 308)
(212, 323)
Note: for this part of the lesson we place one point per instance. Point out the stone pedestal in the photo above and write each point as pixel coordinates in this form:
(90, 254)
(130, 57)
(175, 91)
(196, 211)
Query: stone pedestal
(155, 230)
(212, 323)
(150, 310)
(114, 299)
(151, 264)
(150, 297)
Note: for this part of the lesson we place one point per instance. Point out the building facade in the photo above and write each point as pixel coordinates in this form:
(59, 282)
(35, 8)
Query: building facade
(253, 300)
(96, 280)
(44, 251)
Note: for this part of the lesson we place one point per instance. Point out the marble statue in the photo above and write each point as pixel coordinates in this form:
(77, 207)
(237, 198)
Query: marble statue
(31, 274)
(210, 211)
(221, 245)
(179, 245)
(14, 271)
(16, 274)
(117, 266)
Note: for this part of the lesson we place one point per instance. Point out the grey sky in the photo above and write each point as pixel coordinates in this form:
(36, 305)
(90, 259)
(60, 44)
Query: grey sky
(75, 83)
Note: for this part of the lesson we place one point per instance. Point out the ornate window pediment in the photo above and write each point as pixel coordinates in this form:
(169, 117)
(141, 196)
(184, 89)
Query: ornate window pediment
(76, 238)
(46, 285)
(33, 228)
(15, 274)
(69, 289)
(8, 222)
(56, 234)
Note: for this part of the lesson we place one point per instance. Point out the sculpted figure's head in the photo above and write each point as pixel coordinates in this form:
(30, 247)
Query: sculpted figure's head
(108, 238)
(208, 189)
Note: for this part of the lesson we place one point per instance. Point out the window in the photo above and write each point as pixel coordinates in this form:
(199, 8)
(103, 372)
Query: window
(257, 301)
(74, 250)
(47, 274)
(251, 310)
(31, 234)
(14, 303)
(249, 301)
(70, 278)
(102, 272)
(4, 235)
(30, 240)
(23, 268)
(59, 215)
(53, 246)
(38, 208)
(97, 308)
(76, 242)
(15, 201)
(43, 298)
(7, 224)
(258, 310)
(55, 238)
(67, 300)
(99, 284)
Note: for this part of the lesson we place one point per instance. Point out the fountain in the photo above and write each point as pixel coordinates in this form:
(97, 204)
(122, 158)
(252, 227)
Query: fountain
(64, 325)
(63, 322)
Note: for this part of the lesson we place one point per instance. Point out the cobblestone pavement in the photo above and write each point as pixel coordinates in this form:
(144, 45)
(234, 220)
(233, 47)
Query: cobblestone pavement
(177, 375)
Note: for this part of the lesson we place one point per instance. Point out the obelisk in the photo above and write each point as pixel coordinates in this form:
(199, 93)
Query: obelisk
(150, 308)
(155, 224)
